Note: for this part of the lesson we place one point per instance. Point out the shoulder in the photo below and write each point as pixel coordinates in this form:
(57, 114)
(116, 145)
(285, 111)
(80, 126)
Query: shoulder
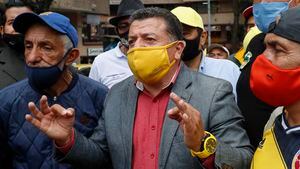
(203, 82)
(111, 54)
(121, 87)
(15, 89)
(223, 63)
(91, 85)
(125, 84)
(210, 82)
(15, 93)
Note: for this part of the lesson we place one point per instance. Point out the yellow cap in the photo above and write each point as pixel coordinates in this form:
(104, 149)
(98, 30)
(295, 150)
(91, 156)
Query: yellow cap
(188, 16)
(252, 32)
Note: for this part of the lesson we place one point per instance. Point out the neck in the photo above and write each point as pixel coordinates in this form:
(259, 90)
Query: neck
(194, 64)
(62, 83)
(123, 49)
(292, 114)
(155, 89)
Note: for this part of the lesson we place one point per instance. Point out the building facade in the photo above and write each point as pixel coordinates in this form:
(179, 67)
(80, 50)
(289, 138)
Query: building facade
(87, 16)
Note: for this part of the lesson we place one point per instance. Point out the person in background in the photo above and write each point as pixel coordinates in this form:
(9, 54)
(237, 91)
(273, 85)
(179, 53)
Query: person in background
(50, 49)
(144, 123)
(12, 52)
(218, 51)
(249, 19)
(256, 111)
(274, 79)
(111, 66)
(238, 57)
(193, 55)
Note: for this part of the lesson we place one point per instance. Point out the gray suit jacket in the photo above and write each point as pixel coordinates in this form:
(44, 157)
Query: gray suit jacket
(111, 142)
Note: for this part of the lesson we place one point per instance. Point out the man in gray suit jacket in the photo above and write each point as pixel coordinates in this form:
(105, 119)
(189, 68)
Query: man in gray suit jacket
(144, 123)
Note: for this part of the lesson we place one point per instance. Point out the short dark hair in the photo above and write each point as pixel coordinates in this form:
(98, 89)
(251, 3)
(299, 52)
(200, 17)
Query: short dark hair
(11, 4)
(174, 27)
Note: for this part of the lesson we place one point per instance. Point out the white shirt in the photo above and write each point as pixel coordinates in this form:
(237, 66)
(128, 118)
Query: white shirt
(222, 69)
(110, 67)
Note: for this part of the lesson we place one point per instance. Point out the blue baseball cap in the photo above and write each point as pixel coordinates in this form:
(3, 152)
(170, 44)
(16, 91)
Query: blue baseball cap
(54, 20)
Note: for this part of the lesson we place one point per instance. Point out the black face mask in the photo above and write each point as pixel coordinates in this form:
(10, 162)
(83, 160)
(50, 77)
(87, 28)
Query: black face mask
(14, 41)
(191, 49)
(124, 39)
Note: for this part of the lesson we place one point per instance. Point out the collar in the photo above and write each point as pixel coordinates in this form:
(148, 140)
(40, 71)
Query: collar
(118, 51)
(202, 63)
(286, 127)
(139, 85)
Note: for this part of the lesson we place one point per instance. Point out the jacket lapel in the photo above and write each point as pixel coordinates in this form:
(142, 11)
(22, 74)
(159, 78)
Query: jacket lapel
(127, 119)
(182, 89)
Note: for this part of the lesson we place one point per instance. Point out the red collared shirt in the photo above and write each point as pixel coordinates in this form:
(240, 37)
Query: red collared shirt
(147, 130)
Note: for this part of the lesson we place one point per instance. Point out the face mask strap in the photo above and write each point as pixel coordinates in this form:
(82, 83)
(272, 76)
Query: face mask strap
(59, 64)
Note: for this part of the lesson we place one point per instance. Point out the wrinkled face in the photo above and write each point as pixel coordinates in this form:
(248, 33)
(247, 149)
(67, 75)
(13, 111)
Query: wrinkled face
(43, 46)
(11, 14)
(218, 54)
(152, 32)
(282, 52)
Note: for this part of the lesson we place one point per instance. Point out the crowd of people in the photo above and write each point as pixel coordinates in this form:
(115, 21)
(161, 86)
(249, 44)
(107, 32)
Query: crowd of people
(159, 100)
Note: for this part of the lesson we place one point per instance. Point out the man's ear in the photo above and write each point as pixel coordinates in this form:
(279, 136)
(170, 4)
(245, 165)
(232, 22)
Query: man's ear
(179, 49)
(72, 56)
(203, 39)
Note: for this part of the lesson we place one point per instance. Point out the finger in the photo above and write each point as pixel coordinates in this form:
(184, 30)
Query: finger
(59, 110)
(70, 112)
(44, 105)
(181, 104)
(188, 124)
(174, 111)
(175, 114)
(35, 111)
(33, 121)
(174, 97)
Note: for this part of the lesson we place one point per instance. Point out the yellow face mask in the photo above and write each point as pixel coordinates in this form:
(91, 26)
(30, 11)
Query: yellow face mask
(150, 64)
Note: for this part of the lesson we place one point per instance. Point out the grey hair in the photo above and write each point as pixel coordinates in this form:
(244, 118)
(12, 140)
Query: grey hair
(67, 43)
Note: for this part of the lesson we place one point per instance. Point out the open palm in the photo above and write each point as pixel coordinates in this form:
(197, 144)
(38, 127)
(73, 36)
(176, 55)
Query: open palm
(55, 121)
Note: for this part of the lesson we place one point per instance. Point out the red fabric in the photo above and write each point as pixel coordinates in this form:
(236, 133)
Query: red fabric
(147, 130)
(209, 162)
(67, 147)
(274, 85)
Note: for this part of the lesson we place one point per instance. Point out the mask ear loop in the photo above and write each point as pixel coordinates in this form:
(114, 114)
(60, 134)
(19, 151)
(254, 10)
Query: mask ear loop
(59, 64)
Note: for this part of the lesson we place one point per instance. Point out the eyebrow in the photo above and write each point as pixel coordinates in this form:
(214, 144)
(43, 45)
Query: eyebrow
(47, 42)
(144, 35)
(276, 43)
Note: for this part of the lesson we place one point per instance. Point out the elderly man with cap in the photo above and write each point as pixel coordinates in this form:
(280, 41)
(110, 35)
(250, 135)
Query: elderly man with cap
(50, 49)
(218, 51)
(274, 79)
(193, 55)
(111, 66)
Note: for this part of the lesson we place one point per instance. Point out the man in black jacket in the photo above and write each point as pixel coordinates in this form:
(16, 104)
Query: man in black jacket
(12, 51)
